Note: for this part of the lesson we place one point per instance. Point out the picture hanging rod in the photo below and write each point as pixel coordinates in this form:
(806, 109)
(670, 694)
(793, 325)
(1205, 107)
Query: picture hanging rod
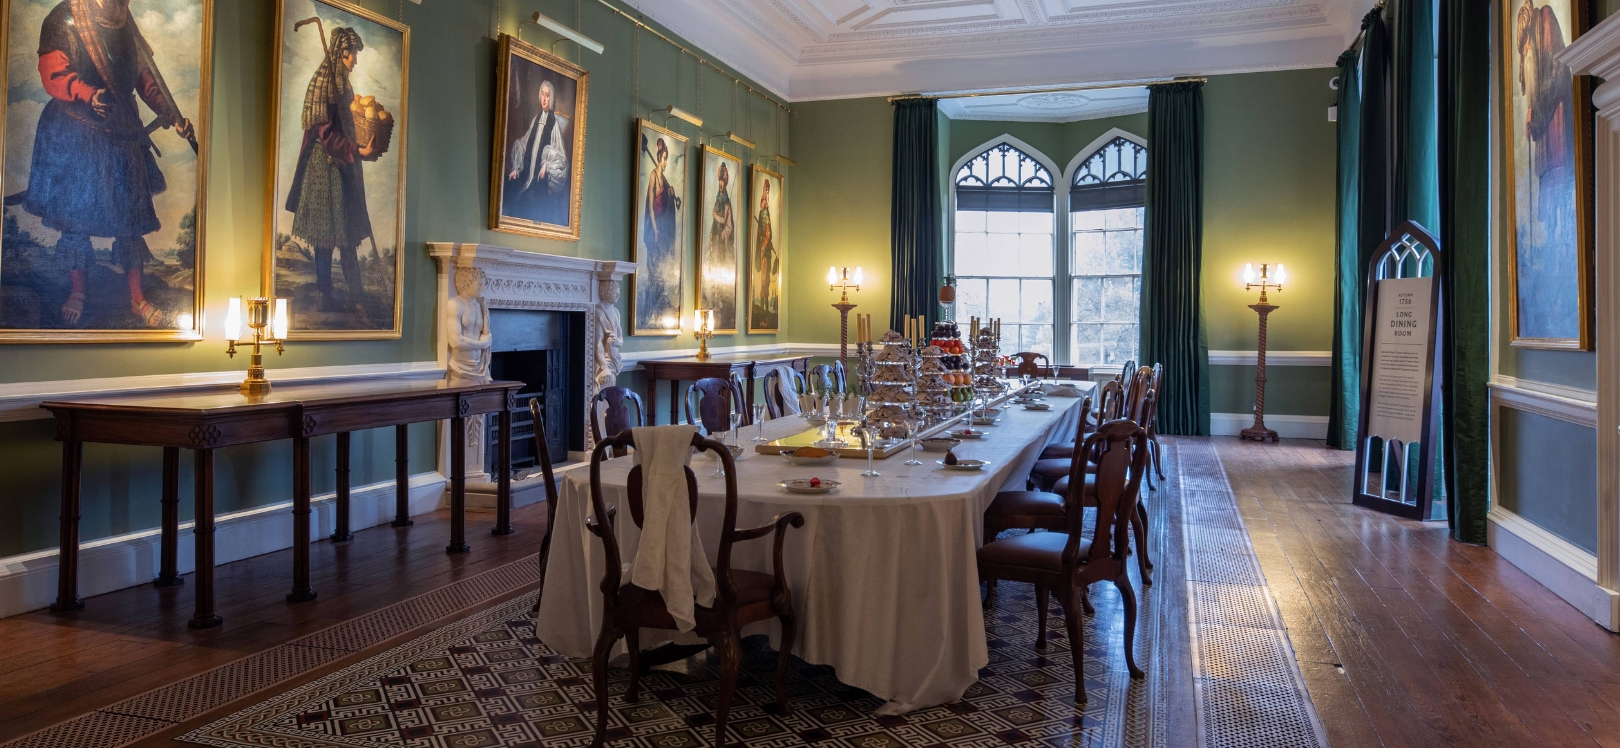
(696, 56)
(1058, 89)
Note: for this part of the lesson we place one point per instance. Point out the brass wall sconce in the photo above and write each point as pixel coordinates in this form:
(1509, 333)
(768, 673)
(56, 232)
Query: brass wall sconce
(258, 318)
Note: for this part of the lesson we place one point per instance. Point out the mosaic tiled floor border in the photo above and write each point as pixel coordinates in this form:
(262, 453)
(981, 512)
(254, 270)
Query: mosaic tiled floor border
(1248, 685)
(165, 707)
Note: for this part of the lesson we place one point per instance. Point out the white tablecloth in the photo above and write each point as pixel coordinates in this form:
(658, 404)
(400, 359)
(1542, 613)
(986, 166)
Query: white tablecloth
(883, 574)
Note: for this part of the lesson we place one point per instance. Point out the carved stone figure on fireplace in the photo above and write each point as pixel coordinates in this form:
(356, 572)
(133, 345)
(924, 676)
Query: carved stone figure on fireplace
(609, 361)
(466, 330)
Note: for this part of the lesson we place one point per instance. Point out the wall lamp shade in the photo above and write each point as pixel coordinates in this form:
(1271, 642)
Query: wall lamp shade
(279, 325)
(740, 140)
(1280, 275)
(682, 114)
(1273, 275)
(582, 40)
(233, 319)
(1249, 275)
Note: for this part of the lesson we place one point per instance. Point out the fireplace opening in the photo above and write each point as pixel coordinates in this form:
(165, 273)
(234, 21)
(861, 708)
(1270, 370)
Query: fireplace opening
(545, 350)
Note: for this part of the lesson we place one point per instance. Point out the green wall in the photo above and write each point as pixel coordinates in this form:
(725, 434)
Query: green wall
(1550, 480)
(1268, 197)
(453, 51)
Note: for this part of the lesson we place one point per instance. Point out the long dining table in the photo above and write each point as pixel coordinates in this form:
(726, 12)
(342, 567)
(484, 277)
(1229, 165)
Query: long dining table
(883, 573)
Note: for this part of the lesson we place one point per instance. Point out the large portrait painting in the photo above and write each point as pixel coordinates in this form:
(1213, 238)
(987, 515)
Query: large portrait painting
(337, 220)
(660, 231)
(539, 163)
(106, 148)
(766, 242)
(720, 238)
(1548, 130)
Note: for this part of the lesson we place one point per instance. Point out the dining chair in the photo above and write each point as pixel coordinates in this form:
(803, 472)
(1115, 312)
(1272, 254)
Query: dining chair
(823, 379)
(542, 455)
(610, 412)
(1027, 366)
(1109, 408)
(742, 597)
(1151, 423)
(716, 400)
(1068, 562)
(1140, 523)
(777, 381)
(1030, 510)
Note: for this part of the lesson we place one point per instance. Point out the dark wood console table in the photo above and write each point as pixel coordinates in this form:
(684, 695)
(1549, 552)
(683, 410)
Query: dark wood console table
(677, 370)
(206, 420)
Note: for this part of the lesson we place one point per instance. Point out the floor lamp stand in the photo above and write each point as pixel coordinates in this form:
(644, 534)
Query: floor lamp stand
(1258, 432)
(843, 308)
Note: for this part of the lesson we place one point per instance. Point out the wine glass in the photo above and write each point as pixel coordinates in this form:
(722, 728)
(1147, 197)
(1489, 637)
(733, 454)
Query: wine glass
(912, 426)
(869, 437)
(759, 421)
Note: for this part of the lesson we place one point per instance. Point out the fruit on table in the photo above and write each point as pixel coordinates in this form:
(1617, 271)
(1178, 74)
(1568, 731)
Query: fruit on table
(815, 483)
(950, 457)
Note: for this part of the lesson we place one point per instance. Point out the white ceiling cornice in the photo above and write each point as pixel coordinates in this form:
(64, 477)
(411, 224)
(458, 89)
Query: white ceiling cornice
(826, 49)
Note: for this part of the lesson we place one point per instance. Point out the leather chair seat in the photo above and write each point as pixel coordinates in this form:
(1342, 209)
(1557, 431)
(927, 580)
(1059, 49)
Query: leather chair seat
(1058, 451)
(1050, 469)
(1026, 503)
(1061, 487)
(752, 587)
(1036, 550)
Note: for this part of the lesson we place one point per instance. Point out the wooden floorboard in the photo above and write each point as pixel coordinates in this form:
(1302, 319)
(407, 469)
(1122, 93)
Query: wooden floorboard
(123, 643)
(1432, 642)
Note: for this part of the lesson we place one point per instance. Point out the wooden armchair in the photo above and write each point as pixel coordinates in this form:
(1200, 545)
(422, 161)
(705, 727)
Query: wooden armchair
(1027, 366)
(831, 378)
(1068, 562)
(716, 400)
(742, 597)
(614, 415)
(775, 403)
(542, 455)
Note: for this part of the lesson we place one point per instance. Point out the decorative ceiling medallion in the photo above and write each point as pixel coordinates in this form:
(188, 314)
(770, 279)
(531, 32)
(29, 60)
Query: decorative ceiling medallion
(1053, 101)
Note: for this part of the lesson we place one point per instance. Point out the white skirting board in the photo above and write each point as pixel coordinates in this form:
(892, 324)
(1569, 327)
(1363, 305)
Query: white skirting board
(1287, 427)
(28, 581)
(1568, 571)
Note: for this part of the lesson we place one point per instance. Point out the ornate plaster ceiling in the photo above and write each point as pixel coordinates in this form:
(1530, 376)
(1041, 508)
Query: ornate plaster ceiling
(820, 49)
(1064, 106)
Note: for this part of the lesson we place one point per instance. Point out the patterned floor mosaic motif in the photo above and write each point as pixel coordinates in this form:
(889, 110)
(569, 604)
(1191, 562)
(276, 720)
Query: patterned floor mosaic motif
(486, 681)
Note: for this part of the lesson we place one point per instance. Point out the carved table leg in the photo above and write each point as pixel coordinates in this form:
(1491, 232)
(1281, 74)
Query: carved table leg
(203, 535)
(402, 476)
(340, 532)
(169, 541)
(301, 591)
(67, 582)
(458, 486)
(503, 474)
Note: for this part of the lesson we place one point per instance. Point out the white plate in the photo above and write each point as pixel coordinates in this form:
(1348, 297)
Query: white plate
(963, 464)
(965, 434)
(802, 485)
(1037, 406)
(826, 459)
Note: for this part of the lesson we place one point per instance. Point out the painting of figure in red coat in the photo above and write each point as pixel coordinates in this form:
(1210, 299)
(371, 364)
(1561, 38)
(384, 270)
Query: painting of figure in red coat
(104, 178)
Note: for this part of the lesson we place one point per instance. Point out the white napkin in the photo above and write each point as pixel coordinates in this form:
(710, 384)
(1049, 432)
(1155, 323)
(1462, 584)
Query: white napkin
(1061, 390)
(670, 557)
(791, 401)
(807, 404)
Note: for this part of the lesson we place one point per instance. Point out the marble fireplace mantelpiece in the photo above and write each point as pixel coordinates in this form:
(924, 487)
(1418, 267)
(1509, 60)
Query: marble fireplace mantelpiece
(515, 279)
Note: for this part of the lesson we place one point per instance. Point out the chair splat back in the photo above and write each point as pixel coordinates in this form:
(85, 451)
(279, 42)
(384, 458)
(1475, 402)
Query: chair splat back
(612, 578)
(615, 415)
(716, 399)
(775, 401)
(1118, 449)
(1110, 401)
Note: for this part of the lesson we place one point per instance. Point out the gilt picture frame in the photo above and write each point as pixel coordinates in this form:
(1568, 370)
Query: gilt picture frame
(1547, 163)
(659, 231)
(335, 229)
(767, 240)
(121, 257)
(537, 175)
(720, 237)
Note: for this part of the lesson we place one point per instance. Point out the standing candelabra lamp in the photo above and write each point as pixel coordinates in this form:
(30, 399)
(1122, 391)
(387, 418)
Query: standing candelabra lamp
(258, 318)
(839, 279)
(1267, 279)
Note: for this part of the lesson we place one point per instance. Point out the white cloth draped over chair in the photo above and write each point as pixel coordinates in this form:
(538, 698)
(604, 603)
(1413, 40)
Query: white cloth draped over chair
(670, 557)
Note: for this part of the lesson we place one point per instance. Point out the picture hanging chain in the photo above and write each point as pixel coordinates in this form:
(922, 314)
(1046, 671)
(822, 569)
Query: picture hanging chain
(497, 19)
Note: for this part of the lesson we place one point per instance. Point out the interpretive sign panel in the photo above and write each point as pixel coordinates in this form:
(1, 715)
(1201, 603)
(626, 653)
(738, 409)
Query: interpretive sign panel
(1403, 346)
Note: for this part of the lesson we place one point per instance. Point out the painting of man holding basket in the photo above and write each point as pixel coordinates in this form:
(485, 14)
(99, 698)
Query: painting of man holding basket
(338, 220)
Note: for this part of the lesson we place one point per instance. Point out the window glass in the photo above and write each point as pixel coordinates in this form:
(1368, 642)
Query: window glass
(1106, 199)
(1005, 246)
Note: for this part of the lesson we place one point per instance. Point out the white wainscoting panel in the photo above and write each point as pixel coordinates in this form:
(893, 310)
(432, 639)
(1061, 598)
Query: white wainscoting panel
(1273, 358)
(1566, 569)
(28, 581)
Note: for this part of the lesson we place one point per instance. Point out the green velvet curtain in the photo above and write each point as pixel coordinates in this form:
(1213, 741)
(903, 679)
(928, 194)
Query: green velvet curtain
(1364, 212)
(1415, 192)
(914, 213)
(1344, 404)
(1172, 257)
(1464, 176)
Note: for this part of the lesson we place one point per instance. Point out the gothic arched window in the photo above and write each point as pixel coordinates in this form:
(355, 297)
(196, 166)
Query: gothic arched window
(1107, 199)
(1004, 258)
